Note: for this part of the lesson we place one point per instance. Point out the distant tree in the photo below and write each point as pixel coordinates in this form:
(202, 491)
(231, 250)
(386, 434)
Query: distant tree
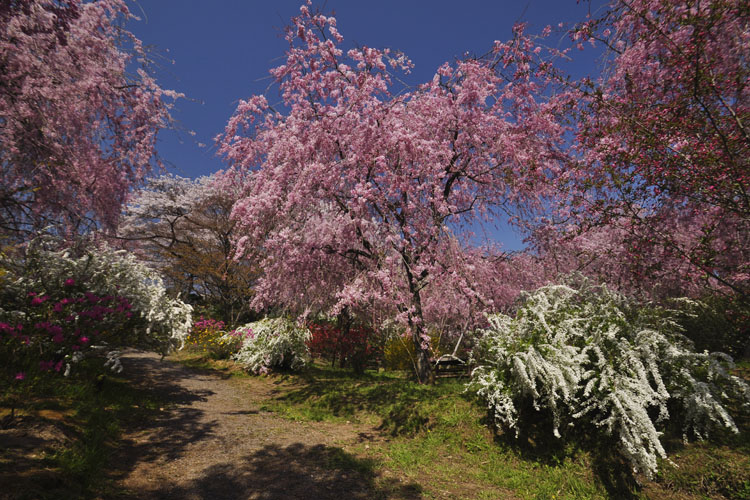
(77, 127)
(380, 184)
(182, 227)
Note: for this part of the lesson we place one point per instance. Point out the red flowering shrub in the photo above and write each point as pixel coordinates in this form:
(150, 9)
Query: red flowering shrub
(331, 342)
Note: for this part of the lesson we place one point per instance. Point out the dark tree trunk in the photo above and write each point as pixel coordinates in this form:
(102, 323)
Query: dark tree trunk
(424, 372)
(356, 358)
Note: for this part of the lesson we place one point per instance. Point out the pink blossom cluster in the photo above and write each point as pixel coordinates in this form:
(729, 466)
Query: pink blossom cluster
(658, 192)
(53, 329)
(242, 333)
(79, 127)
(208, 324)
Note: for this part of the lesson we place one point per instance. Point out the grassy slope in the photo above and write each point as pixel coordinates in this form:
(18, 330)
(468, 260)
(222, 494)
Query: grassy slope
(434, 436)
(438, 435)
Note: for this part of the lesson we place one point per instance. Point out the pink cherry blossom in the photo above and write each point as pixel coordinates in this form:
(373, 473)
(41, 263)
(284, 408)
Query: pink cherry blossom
(360, 194)
(79, 123)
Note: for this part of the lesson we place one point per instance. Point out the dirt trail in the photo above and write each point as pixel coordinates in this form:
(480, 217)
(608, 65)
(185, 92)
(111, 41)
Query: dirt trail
(212, 441)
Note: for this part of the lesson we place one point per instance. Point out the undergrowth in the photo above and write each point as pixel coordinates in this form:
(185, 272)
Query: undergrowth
(435, 431)
(85, 415)
(440, 436)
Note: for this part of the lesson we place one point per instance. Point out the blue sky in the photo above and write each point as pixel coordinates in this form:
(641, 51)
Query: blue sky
(220, 51)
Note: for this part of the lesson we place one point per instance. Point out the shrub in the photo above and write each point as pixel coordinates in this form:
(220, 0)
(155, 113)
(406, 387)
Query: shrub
(716, 323)
(349, 346)
(594, 359)
(272, 343)
(399, 352)
(56, 307)
(209, 336)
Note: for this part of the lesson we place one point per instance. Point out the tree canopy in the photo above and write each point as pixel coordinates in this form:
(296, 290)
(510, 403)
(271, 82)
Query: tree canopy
(378, 181)
(79, 114)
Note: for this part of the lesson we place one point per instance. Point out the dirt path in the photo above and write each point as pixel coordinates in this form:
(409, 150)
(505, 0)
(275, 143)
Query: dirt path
(212, 441)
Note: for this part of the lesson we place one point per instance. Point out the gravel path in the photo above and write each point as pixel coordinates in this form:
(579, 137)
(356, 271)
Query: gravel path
(212, 441)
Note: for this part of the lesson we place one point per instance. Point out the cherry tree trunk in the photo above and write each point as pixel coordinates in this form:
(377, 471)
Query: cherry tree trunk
(423, 367)
(425, 374)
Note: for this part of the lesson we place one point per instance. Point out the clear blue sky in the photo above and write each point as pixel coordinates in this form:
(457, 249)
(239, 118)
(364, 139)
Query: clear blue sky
(220, 51)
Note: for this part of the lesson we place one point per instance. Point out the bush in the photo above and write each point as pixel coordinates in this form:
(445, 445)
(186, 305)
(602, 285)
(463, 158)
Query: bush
(399, 352)
(273, 343)
(350, 346)
(56, 307)
(716, 323)
(594, 359)
(209, 336)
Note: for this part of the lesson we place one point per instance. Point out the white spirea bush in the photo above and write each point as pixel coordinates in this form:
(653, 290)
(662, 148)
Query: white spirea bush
(592, 358)
(273, 343)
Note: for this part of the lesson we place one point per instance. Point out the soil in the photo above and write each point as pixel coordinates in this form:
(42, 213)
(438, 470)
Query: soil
(213, 441)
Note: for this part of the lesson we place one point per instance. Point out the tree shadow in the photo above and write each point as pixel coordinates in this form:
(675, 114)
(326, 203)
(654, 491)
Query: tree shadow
(66, 447)
(170, 428)
(292, 472)
(399, 402)
(163, 378)
(536, 443)
(23, 473)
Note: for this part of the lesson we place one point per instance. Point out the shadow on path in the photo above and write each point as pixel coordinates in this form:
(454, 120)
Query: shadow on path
(166, 432)
(297, 471)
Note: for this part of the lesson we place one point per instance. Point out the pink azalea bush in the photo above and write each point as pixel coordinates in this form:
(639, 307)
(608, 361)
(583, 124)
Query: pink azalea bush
(58, 307)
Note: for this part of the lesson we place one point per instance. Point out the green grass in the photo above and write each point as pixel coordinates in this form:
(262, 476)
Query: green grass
(439, 435)
(436, 431)
(435, 438)
(89, 410)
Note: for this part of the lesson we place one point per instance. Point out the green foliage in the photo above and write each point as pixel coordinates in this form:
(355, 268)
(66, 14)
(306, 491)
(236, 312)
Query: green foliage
(434, 431)
(716, 323)
(399, 352)
(438, 435)
(711, 471)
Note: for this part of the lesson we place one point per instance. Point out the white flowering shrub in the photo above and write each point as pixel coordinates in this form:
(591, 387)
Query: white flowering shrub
(58, 305)
(592, 358)
(272, 343)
